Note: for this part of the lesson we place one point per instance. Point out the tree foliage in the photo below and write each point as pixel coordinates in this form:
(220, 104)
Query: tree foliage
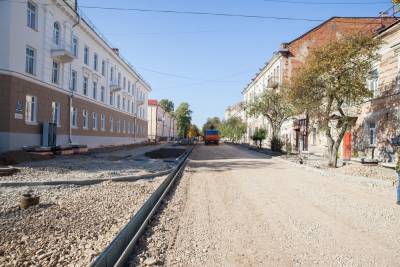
(167, 105)
(332, 80)
(259, 135)
(183, 118)
(233, 129)
(273, 105)
(193, 131)
(212, 124)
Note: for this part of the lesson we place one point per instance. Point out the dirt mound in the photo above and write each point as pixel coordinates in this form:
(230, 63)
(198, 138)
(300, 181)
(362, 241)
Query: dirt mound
(19, 156)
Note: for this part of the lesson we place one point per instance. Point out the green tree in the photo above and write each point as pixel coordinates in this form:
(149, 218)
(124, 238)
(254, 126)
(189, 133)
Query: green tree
(233, 129)
(167, 105)
(273, 105)
(259, 135)
(193, 131)
(332, 82)
(212, 124)
(183, 118)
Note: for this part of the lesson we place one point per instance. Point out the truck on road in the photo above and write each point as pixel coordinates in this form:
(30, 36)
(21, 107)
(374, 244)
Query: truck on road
(211, 136)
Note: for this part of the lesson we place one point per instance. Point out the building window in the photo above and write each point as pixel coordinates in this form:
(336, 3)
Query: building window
(94, 121)
(95, 61)
(124, 83)
(74, 77)
(128, 105)
(111, 124)
(74, 117)
(103, 68)
(55, 113)
(102, 94)
(118, 101)
(129, 86)
(373, 82)
(119, 79)
(31, 109)
(112, 74)
(372, 133)
(86, 55)
(119, 126)
(124, 127)
(55, 72)
(31, 15)
(30, 60)
(111, 99)
(85, 85)
(56, 33)
(103, 122)
(85, 119)
(94, 90)
(75, 46)
(123, 103)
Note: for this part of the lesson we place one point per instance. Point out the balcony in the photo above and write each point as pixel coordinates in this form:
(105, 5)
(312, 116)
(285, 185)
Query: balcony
(61, 54)
(115, 87)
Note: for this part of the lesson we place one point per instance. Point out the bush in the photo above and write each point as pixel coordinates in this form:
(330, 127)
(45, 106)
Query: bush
(276, 144)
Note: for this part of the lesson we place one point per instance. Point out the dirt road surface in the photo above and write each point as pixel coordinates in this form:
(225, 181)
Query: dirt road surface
(241, 208)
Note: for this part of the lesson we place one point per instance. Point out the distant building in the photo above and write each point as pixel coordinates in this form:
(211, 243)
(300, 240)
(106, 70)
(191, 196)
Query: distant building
(56, 67)
(162, 125)
(236, 110)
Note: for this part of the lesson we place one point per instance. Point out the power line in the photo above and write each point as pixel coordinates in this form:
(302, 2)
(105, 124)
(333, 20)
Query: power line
(325, 3)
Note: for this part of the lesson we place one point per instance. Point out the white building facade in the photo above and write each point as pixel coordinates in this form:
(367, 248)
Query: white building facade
(162, 126)
(268, 78)
(56, 67)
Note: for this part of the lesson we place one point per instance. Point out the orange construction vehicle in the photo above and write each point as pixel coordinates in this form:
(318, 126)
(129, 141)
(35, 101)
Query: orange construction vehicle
(211, 136)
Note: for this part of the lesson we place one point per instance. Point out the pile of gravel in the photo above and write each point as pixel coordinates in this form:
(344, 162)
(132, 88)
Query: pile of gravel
(71, 226)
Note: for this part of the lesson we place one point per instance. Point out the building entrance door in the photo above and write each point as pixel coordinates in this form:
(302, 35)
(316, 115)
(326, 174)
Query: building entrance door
(347, 146)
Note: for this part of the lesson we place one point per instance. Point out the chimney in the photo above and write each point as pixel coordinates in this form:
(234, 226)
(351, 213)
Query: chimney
(116, 51)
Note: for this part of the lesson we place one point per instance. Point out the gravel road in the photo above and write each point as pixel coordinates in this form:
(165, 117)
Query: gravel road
(235, 207)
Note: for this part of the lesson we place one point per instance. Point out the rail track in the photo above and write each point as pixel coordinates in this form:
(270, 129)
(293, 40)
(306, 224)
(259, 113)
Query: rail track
(122, 246)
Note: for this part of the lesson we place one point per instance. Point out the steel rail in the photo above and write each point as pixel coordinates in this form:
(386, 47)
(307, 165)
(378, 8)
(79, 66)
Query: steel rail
(122, 246)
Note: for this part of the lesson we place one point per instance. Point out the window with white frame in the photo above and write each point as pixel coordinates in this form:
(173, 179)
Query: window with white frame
(55, 73)
(111, 99)
(103, 68)
(30, 62)
(373, 82)
(85, 85)
(372, 133)
(119, 126)
(123, 103)
(32, 15)
(73, 81)
(103, 122)
(118, 101)
(111, 124)
(55, 113)
(56, 33)
(95, 61)
(124, 83)
(85, 119)
(129, 86)
(102, 94)
(75, 46)
(31, 109)
(119, 79)
(94, 90)
(74, 117)
(128, 105)
(94, 121)
(86, 55)
(124, 127)
(112, 74)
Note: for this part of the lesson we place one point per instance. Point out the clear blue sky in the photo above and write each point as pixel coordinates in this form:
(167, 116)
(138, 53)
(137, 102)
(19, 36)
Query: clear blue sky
(211, 58)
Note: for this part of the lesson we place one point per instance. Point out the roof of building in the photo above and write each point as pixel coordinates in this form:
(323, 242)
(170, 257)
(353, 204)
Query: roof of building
(152, 102)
